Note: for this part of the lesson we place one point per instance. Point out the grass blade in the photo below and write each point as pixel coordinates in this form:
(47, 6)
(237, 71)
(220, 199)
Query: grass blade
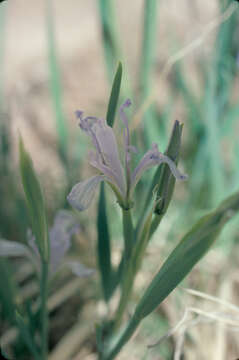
(26, 335)
(103, 246)
(8, 291)
(114, 96)
(3, 9)
(55, 84)
(164, 178)
(35, 201)
(146, 67)
(109, 35)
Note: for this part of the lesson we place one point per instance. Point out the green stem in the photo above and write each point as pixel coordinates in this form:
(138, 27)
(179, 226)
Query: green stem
(44, 312)
(132, 266)
(128, 230)
(128, 277)
(27, 336)
(126, 290)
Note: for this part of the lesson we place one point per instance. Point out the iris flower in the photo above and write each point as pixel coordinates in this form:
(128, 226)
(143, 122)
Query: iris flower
(105, 158)
(60, 234)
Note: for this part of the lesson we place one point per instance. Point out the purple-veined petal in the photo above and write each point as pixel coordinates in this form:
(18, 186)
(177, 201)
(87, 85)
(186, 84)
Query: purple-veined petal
(151, 158)
(107, 157)
(83, 193)
(109, 151)
(108, 173)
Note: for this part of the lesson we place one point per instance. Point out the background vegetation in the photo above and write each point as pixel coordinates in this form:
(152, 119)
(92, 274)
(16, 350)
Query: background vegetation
(179, 62)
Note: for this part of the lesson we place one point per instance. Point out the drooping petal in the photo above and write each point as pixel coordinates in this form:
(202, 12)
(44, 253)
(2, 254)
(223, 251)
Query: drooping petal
(13, 249)
(65, 225)
(151, 158)
(83, 193)
(79, 269)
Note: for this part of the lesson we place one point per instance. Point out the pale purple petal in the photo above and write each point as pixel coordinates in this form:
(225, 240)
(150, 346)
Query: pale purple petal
(109, 151)
(65, 225)
(83, 193)
(109, 173)
(128, 147)
(13, 249)
(125, 120)
(79, 269)
(151, 158)
(105, 144)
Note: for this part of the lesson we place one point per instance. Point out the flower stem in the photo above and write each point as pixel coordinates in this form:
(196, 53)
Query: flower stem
(128, 275)
(133, 264)
(44, 313)
(128, 230)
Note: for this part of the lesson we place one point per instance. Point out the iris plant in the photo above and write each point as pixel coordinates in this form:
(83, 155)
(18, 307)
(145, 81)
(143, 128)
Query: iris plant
(64, 227)
(107, 161)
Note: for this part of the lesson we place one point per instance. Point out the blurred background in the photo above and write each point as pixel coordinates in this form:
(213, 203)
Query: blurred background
(180, 61)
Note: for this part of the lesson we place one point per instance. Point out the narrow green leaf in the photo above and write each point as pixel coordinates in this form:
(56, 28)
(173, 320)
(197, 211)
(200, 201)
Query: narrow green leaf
(109, 34)
(26, 336)
(215, 171)
(103, 246)
(114, 96)
(148, 52)
(187, 253)
(35, 201)
(167, 180)
(108, 279)
(191, 102)
(163, 177)
(8, 291)
(55, 83)
(3, 14)
(148, 45)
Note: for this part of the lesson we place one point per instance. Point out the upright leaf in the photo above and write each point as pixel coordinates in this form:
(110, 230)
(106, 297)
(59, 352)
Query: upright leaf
(103, 246)
(114, 96)
(55, 84)
(187, 253)
(35, 201)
